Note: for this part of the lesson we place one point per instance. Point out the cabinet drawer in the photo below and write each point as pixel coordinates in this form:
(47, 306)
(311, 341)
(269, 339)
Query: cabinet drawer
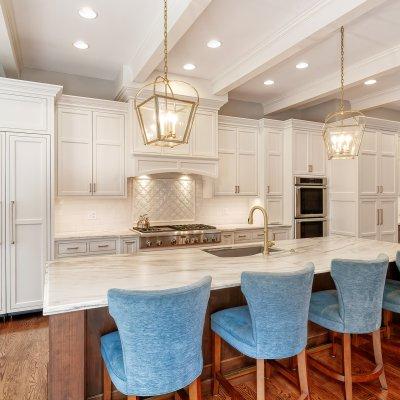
(227, 238)
(71, 248)
(279, 234)
(102, 246)
(243, 236)
(258, 235)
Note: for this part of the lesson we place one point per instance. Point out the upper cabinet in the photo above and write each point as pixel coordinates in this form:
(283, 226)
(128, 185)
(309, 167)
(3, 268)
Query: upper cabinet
(91, 147)
(237, 149)
(309, 154)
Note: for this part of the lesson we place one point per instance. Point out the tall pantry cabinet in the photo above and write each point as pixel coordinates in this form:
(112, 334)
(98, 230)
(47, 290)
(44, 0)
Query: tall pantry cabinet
(363, 191)
(26, 186)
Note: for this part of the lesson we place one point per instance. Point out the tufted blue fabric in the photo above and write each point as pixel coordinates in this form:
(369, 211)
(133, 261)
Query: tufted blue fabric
(391, 295)
(355, 307)
(157, 348)
(274, 324)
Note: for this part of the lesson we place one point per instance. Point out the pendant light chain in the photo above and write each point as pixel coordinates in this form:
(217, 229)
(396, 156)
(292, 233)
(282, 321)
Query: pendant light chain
(342, 69)
(165, 40)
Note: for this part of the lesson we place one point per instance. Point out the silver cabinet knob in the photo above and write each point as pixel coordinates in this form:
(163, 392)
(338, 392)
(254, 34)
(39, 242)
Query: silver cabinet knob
(159, 243)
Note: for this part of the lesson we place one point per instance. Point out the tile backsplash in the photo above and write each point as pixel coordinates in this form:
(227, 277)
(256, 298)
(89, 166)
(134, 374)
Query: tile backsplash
(166, 198)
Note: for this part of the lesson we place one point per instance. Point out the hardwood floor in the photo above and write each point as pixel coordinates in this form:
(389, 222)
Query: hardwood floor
(24, 359)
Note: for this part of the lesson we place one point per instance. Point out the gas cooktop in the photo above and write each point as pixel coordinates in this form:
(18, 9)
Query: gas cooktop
(180, 228)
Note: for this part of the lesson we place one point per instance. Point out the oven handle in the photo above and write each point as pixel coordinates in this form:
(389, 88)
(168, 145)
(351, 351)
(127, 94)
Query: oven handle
(310, 219)
(310, 187)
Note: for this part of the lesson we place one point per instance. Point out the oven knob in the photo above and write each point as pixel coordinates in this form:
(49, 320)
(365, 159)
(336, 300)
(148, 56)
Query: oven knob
(213, 239)
(148, 243)
(159, 243)
(209, 240)
(195, 240)
(187, 240)
(173, 242)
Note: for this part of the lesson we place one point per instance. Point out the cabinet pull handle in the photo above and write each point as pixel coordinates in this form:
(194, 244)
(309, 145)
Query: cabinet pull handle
(260, 234)
(381, 216)
(238, 189)
(73, 248)
(103, 245)
(129, 242)
(268, 189)
(94, 187)
(378, 214)
(273, 236)
(381, 189)
(227, 236)
(378, 189)
(241, 236)
(310, 168)
(90, 187)
(12, 212)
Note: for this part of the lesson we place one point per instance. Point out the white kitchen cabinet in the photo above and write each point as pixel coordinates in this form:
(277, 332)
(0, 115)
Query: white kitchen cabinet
(237, 148)
(274, 206)
(91, 148)
(129, 245)
(27, 218)
(363, 191)
(227, 238)
(3, 286)
(274, 163)
(257, 235)
(308, 148)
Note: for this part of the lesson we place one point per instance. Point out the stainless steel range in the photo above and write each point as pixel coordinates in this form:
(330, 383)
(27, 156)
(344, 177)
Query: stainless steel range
(177, 235)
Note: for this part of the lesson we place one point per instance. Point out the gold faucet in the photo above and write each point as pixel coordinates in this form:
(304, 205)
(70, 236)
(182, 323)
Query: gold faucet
(267, 243)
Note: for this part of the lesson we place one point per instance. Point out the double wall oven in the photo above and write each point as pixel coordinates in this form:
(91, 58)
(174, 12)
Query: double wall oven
(311, 207)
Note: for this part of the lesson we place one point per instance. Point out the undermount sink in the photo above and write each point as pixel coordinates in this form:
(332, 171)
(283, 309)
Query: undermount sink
(238, 251)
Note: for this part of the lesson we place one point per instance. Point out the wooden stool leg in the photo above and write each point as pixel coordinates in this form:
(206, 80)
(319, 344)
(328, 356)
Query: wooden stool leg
(348, 384)
(195, 390)
(106, 384)
(216, 364)
(132, 398)
(376, 339)
(387, 321)
(302, 369)
(260, 380)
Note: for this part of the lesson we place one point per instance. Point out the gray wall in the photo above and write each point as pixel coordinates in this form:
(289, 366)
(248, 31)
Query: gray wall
(243, 109)
(73, 84)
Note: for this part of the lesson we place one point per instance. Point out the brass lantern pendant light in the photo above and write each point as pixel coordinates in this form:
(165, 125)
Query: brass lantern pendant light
(343, 129)
(166, 118)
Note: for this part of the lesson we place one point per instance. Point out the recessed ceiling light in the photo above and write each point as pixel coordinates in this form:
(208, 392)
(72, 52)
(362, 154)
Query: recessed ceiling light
(302, 65)
(81, 45)
(189, 67)
(213, 44)
(87, 12)
(370, 82)
(269, 82)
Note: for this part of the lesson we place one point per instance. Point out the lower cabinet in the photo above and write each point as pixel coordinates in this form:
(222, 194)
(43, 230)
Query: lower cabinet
(257, 235)
(98, 246)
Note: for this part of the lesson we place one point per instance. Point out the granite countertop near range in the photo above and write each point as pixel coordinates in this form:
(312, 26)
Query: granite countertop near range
(82, 283)
(76, 235)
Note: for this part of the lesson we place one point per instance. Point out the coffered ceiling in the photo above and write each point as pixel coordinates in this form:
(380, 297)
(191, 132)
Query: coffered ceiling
(261, 39)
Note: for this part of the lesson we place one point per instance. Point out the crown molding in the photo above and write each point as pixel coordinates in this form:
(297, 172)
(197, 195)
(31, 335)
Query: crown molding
(302, 31)
(377, 98)
(271, 123)
(245, 122)
(90, 103)
(25, 87)
(378, 123)
(377, 64)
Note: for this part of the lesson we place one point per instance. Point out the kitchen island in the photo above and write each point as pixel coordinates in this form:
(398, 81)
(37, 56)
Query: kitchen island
(75, 297)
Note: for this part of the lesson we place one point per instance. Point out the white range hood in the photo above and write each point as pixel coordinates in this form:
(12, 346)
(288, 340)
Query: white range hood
(199, 156)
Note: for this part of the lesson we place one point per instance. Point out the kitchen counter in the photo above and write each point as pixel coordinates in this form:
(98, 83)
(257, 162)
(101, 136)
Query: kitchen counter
(241, 227)
(94, 234)
(82, 283)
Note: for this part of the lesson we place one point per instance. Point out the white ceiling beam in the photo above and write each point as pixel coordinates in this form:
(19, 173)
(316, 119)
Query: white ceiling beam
(181, 15)
(306, 29)
(10, 54)
(377, 99)
(372, 66)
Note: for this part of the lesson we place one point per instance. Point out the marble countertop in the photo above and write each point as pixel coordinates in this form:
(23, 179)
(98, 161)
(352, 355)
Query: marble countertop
(94, 234)
(82, 283)
(127, 232)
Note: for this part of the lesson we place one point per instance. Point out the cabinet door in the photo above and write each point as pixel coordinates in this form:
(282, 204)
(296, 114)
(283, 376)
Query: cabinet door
(108, 154)
(247, 162)
(74, 152)
(317, 153)
(368, 164)
(274, 164)
(300, 153)
(28, 205)
(388, 224)
(387, 163)
(368, 218)
(204, 140)
(227, 171)
(129, 246)
(3, 298)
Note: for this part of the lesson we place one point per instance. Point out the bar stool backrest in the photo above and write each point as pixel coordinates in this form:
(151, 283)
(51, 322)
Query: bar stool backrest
(360, 285)
(278, 305)
(161, 335)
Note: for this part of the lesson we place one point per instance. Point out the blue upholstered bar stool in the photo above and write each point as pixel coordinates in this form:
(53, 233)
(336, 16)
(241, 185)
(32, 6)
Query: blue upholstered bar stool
(391, 303)
(272, 326)
(157, 347)
(355, 307)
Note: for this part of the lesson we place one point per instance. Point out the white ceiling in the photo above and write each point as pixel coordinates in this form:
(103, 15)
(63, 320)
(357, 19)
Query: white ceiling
(47, 29)
(127, 29)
